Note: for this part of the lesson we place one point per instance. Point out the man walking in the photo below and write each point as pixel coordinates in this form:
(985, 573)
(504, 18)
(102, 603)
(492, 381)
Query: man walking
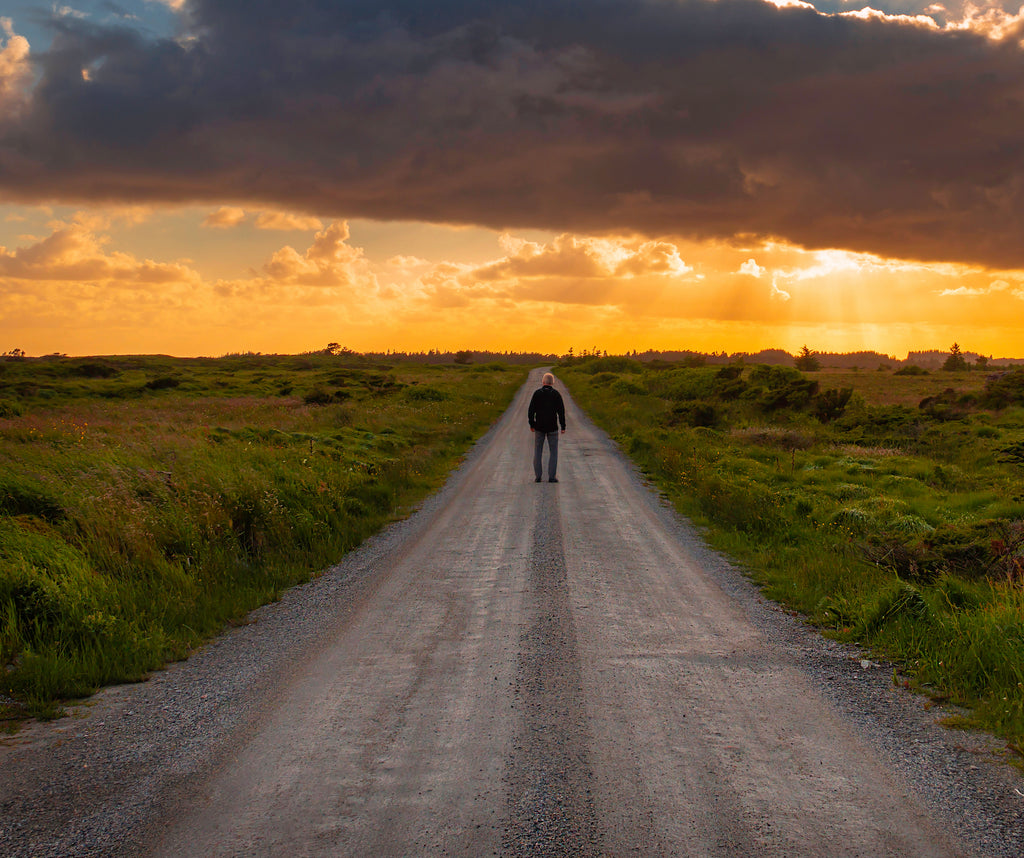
(547, 412)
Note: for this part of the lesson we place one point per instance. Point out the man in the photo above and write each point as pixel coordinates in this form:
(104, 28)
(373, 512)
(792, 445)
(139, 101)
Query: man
(547, 412)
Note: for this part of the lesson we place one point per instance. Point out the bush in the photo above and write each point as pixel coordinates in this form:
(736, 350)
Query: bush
(948, 405)
(794, 393)
(1003, 389)
(318, 396)
(625, 386)
(695, 414)
(729, 383)
(424, 393)
(680, 385)
(831, 404)
(610, 364)
(94, 370)
(164, 382)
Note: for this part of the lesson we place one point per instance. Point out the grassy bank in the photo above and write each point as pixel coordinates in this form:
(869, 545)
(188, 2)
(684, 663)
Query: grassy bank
(888, 509)
(145, 502)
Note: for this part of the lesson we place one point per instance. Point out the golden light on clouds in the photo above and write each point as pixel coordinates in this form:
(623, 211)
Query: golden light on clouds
(15, 70)
(192, 178)
(70, 290)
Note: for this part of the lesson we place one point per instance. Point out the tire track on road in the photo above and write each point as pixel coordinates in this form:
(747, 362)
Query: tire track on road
(550, 781)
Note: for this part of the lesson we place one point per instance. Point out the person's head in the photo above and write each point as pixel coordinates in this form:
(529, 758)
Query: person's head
(548, 379)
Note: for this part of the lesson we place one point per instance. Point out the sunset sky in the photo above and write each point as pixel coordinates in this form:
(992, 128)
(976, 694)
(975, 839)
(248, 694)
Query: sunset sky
(199, 177)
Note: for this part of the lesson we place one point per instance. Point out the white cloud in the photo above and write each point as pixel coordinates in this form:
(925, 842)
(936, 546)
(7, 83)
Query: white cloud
(976, 291)
(778, 294)
(751, 268)
(69, 12)
(869, 14)
(990, 21)
(963, 291)
(15, 68)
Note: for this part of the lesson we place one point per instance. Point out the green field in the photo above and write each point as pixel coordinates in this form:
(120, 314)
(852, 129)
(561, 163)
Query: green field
(887, 508)
(145, 502)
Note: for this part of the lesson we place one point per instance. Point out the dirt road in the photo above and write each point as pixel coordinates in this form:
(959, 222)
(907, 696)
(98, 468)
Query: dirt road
(519, 669)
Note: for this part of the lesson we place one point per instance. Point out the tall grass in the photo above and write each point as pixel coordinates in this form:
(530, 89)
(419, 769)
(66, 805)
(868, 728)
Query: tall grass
(136, 521)
(898, 529)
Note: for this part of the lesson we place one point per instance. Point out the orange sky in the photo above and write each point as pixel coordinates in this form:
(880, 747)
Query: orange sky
(198, 281)
(198, 177)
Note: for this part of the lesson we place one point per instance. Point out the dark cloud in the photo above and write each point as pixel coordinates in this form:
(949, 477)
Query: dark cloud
(660, 116)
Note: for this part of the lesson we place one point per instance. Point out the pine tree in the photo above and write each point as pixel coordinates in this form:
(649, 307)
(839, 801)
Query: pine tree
(807, 360)
(956, 361)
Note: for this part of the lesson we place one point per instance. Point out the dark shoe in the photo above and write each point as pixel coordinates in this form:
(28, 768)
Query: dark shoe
(553, 480)
(536, 479)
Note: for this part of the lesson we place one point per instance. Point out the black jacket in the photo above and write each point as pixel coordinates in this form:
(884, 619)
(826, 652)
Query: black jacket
(546, 410)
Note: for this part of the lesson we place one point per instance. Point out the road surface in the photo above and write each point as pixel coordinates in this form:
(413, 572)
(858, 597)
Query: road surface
(518, 669)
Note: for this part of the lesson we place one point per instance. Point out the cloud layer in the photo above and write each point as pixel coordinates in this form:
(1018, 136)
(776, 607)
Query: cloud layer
(663, 117)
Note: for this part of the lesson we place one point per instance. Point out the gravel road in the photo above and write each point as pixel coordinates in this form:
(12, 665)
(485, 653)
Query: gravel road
(517, 669)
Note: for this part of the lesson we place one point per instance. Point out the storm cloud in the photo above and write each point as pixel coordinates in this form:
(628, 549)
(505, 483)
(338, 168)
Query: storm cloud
(661, 117)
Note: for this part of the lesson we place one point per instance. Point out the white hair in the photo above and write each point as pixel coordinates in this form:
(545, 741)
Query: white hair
(548, 378)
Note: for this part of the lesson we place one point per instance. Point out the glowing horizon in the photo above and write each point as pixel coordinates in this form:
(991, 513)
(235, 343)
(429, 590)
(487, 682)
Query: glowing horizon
(300, 283)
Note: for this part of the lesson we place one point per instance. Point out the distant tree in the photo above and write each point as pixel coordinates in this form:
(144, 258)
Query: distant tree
(463, 357)
(956, 361)
(332, 348)
(14, 354)
(807, 360)
(982, 362)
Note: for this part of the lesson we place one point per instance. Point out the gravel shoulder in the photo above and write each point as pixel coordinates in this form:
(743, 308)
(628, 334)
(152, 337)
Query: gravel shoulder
(515, 669)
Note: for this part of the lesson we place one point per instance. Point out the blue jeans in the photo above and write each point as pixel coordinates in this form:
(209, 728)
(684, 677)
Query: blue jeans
(538, 449)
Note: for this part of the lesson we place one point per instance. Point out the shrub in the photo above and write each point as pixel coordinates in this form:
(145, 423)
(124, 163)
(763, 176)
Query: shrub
(1003, 389)
(831, 404)
(94, 370)
(728, 383)
(318, 396)
(683, 384)
(948, 405)
(794, 393)
(696, 414)
(625, 386)
(164, 382)
(424, 393)
(610, 364)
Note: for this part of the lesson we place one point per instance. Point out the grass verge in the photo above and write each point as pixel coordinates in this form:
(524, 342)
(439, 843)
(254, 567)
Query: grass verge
(146, 502)
(897, 527)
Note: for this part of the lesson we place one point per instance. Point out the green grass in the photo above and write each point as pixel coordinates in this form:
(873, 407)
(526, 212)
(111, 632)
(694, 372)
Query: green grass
(139, 516)
(890, 522)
